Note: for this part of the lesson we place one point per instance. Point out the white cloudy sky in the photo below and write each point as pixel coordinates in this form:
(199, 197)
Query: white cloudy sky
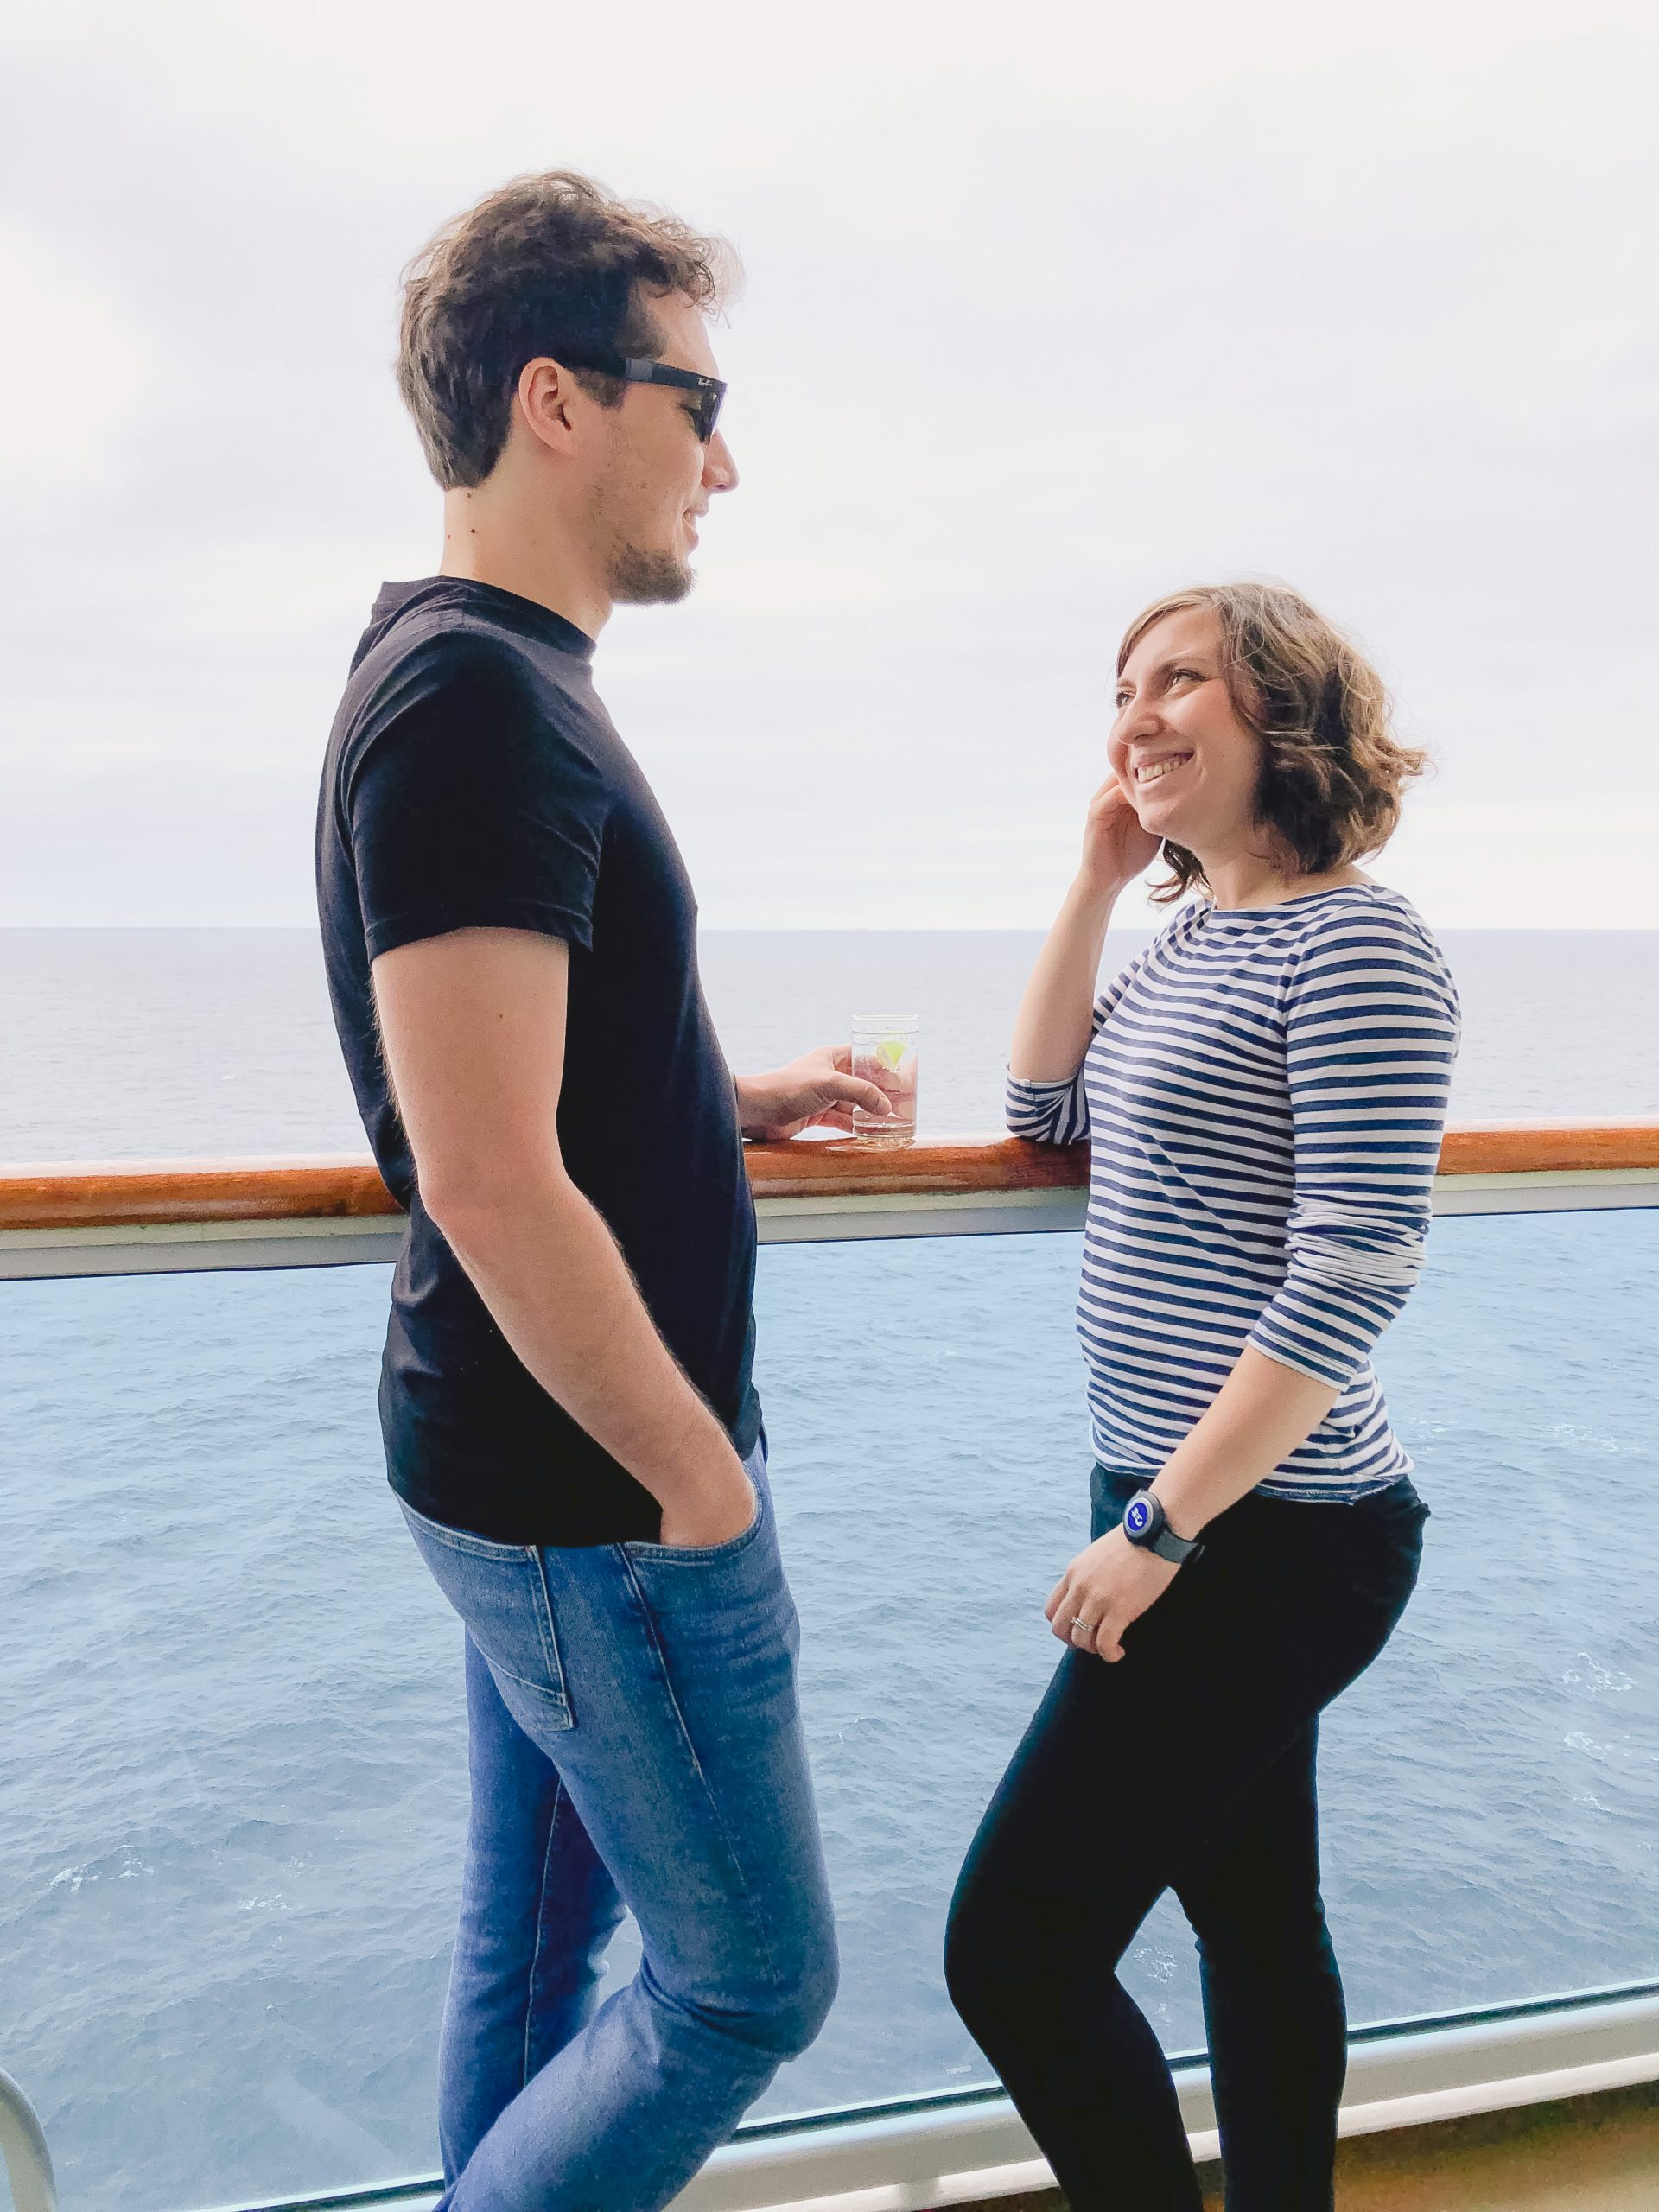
(1049, 308)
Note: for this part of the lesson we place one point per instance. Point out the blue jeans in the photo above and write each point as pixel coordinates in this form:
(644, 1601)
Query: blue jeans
(634, 1742)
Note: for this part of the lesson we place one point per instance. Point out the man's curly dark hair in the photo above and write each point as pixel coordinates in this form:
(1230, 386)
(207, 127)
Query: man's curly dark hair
(548, 264)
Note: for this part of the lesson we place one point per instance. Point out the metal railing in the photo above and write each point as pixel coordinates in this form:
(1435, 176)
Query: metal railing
(968, 2146)
(22, 2147)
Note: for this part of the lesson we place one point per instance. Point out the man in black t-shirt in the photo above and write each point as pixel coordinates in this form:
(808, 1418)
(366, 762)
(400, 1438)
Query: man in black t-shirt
(569, 1418)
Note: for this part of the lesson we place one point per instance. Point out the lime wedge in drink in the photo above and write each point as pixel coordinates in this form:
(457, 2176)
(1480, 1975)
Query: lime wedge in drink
(890, 1052)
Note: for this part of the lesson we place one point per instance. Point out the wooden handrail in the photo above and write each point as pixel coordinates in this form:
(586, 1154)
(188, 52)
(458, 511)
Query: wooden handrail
(338, 1186)
(122, 1194)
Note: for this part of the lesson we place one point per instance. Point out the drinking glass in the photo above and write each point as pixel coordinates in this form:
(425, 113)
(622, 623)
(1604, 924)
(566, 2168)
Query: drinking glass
(884, 1053)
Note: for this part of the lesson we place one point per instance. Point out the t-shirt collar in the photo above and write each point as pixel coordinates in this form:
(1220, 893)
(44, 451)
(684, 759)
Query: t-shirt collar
(507, 608)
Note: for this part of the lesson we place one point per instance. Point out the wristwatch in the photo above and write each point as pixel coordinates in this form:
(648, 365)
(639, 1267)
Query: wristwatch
(1145, 1525)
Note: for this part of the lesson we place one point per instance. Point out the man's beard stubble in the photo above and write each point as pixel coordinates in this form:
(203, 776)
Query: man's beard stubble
(641, 578)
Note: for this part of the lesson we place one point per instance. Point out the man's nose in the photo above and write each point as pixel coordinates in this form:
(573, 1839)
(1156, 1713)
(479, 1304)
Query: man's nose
(719, 469)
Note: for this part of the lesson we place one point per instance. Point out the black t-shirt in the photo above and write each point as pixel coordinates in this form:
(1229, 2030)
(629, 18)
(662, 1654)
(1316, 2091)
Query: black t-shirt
(474, 779)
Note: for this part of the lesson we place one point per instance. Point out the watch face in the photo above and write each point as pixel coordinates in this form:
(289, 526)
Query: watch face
(1137, 1518)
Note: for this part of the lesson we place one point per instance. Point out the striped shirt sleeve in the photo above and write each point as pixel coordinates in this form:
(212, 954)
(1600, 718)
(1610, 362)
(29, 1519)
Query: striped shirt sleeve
(1371, 1031)
(1057, 1112)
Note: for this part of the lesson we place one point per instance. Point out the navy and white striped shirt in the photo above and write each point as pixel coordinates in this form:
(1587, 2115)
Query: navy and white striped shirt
(1265, 1091)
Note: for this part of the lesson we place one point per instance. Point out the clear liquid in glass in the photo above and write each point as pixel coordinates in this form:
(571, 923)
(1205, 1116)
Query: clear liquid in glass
(884, 1052)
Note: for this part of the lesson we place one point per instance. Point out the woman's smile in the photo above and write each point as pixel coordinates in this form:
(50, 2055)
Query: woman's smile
(1155, 770)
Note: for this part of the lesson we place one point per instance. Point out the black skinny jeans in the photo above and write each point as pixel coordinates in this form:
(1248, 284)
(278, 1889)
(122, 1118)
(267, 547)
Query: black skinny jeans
(1188, 1764)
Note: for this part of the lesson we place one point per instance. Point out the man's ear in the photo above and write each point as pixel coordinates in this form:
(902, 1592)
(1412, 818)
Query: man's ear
(544, 397)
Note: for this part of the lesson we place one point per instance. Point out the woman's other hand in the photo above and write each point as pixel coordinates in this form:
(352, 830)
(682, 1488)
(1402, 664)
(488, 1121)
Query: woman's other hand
(1116, 848)
(1106, 1588)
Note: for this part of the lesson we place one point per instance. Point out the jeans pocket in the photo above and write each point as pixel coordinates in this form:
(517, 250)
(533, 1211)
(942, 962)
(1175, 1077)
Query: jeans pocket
(500, 1593)
(719, 1599)
(708, 1554)
(1382, 1572)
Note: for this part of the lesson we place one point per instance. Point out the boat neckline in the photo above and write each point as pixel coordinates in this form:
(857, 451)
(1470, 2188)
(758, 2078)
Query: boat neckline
(1302, 898)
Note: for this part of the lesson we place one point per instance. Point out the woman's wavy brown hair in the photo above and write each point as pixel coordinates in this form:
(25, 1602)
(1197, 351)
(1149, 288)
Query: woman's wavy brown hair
(1332, 771)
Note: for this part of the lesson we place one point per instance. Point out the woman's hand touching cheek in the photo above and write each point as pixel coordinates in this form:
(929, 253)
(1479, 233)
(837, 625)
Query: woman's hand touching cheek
(1116, 848)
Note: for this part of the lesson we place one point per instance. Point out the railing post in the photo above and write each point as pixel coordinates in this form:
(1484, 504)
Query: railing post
(22, 2143)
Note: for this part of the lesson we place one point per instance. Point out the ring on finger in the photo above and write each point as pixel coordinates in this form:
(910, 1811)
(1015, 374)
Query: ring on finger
(1088, 1628)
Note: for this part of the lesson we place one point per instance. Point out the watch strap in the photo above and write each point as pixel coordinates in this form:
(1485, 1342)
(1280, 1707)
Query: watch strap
(1177, 1550)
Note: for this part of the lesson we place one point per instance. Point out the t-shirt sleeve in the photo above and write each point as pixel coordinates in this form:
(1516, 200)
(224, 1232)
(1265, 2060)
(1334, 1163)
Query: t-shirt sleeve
(1057, 1112)
(1371, 1027)
(467, 808)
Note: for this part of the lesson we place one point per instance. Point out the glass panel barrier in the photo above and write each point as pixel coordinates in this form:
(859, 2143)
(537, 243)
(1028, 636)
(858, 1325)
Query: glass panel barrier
(231, 1786)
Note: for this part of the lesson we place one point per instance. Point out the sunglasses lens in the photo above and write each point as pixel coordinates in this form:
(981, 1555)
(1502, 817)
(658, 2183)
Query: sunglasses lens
(708, 413)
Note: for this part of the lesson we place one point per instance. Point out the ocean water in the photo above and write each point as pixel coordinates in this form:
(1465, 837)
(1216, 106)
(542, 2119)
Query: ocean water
(231, 1779)
(149, 1044)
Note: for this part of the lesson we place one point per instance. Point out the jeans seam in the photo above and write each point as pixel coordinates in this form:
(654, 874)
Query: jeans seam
(660, 1659)
(552, 1658)
(541, 1924)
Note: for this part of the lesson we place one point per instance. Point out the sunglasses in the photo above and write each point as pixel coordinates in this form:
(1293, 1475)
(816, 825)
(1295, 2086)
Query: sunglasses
(707, 392)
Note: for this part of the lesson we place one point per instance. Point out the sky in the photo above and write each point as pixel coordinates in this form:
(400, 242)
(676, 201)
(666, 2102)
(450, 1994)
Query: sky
(1048, 310)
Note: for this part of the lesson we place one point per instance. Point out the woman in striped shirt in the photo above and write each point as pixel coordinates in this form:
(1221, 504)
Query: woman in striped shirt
(1264, 1090)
